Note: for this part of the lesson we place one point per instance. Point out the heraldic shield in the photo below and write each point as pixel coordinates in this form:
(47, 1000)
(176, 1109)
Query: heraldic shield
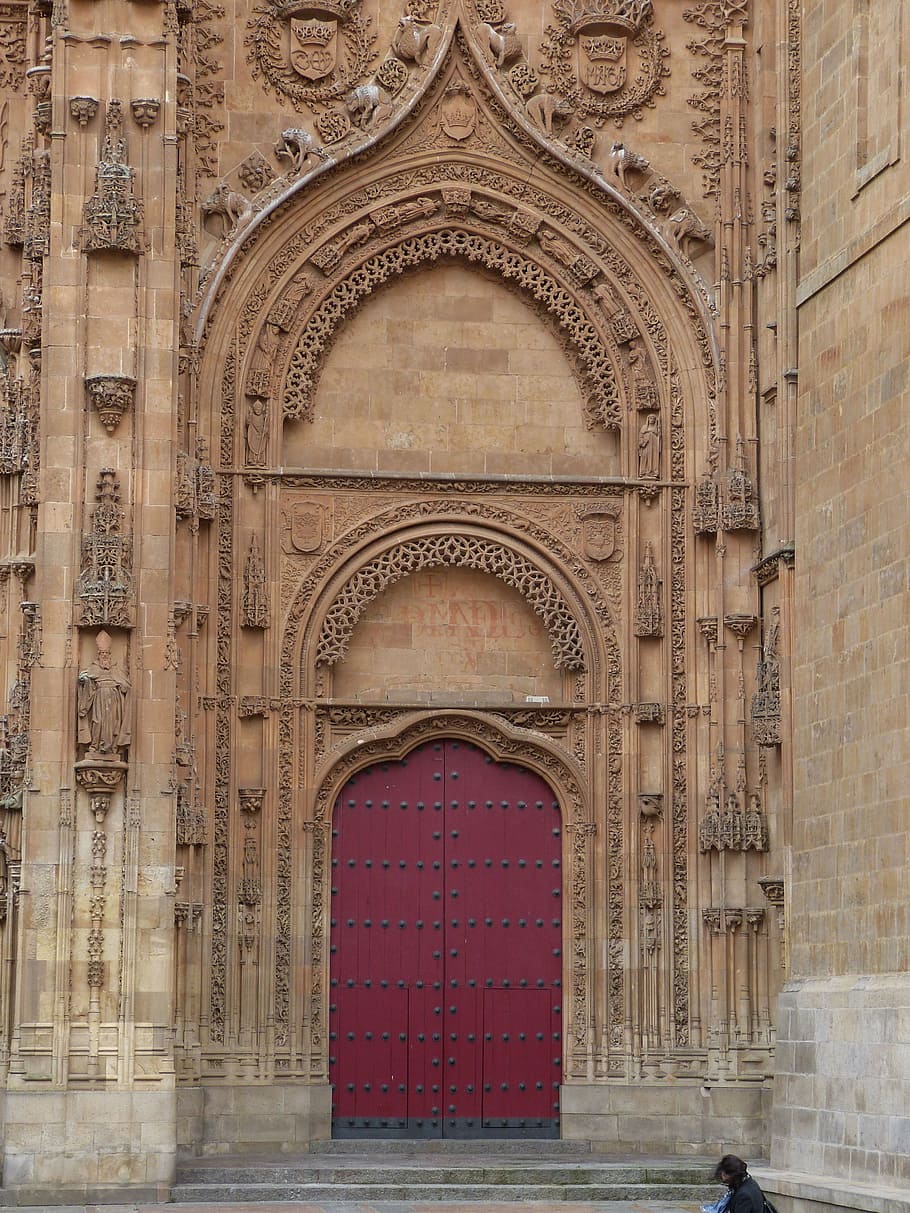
(602, 59)
(313, 49)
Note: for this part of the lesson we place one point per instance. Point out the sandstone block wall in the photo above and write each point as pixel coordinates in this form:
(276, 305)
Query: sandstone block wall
(843, 1066)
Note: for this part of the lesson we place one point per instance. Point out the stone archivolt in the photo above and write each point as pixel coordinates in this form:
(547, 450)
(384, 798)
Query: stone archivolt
(459, 550)
(533, 278)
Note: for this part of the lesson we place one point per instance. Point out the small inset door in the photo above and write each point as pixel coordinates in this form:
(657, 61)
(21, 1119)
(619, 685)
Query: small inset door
(446, 949)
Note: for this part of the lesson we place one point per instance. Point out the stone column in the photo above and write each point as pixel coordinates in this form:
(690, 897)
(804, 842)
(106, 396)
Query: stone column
(90, 1105)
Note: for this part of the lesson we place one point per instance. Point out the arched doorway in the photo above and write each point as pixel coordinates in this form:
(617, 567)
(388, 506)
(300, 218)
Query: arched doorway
(446, 949)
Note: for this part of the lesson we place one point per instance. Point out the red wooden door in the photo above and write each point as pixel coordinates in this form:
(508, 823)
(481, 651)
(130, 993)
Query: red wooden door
(446, 949)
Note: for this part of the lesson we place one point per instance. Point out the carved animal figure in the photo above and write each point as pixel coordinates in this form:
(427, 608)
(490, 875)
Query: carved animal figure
(233, 207)
(370, 103)
(416, 40)
(685, 228)
(504, 43)
(298, 146)
(623, 160)
(545, 110)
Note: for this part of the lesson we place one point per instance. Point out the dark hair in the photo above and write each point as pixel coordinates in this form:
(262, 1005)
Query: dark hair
(731, 1166)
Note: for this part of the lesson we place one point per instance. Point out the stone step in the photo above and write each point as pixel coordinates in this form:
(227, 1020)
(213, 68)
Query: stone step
(483, 1192)
(549, 1147)
(437, 1171)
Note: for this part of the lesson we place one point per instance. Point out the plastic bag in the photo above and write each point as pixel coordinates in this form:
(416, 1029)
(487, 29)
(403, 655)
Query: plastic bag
(720, 1205)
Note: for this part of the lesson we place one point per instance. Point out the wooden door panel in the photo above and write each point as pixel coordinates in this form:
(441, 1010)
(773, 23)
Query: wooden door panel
(446, 948)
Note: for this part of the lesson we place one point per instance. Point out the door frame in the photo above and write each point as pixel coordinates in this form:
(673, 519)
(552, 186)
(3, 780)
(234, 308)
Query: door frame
(504, 744)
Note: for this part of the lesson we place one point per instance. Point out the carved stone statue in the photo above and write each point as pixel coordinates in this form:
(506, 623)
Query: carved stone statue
(649, 448)
(102, 704)
(257, 431)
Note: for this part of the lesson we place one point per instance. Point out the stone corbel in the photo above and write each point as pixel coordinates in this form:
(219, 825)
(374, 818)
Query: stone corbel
(83, 109)
(99, 779)
(112, 396)
(651, 803)
(251, 800)
(145, 110)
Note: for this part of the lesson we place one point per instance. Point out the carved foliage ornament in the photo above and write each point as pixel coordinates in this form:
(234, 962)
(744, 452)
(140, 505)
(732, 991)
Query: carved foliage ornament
(463, 551)
(605, 58)
(12, 46)
(310, 52)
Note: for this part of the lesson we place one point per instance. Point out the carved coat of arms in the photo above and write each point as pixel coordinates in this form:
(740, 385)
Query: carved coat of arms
(458, 112)
(302, 526)
(605, 57)
(310, 52)
(599, 527)
(314, 46)
(602, 62)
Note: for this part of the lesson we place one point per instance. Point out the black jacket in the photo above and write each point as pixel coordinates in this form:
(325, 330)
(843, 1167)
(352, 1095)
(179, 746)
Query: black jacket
(747, 1197)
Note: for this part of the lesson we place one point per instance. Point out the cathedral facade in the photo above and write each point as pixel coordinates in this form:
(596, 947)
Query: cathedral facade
(454, 588)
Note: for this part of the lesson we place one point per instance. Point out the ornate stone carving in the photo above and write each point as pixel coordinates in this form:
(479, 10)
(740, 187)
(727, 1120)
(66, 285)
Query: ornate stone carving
(644, 395)
(601, 394)
(98, 877)
(706, 508)
(651, 804)
(255, 172)
(649, 441)
(648, 713)
(112, 216)
(145, 111)
(12, 46)
(111, 396)
(256, 431)
(195, 488)
(731, 828)
(766, 707)
(83, 109)
(231, 207)
(740, 501)
(103, 705)
(14, 226)
(309, 52)
(298, 147)
(302, 526)
(599, 530)
(255, 609)
(368, 106)
(544, 110)
(392, 75)
(18, 417)
(105, 583)
(465, 551)
(605, 57)
(648, 611)
(251, 799)
(191, 823)
(416, 41)
(38, 232)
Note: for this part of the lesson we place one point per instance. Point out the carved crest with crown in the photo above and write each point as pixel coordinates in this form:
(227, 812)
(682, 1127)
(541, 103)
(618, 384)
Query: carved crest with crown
(310, 52)
(605, 57)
